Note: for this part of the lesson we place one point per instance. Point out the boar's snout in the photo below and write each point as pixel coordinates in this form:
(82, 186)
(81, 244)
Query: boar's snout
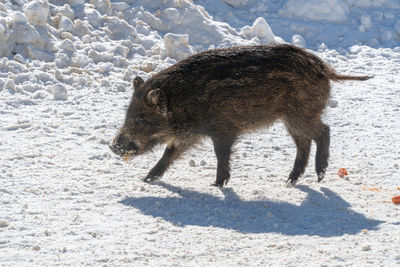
(123, 147)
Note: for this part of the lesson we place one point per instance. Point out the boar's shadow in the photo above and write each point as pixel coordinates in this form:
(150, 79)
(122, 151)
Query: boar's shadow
(324, 214)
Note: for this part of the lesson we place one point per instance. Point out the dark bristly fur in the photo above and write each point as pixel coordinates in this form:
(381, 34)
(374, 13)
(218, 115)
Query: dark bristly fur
(224, 93)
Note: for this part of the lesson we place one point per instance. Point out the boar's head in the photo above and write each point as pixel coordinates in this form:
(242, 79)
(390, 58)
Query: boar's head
(146, 122)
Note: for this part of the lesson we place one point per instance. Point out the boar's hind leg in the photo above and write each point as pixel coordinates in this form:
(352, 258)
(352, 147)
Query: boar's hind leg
(172, 152)
(303, 144)
(321, 158)
(302, 135)
(223, 150)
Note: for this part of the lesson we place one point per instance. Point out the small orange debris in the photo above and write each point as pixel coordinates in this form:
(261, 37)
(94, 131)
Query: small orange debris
(372, 189)
(342, 172)
(396, 200)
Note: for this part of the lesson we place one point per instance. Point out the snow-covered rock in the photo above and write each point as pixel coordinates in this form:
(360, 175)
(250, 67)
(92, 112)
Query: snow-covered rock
(32, 87)
(120, 29)
(36, 12)
(299, 40)
(59, 92)
(21, 32)
(104, 6)
(263, 31)
(66, 24)
(62, 60)
(10, 85)
(176, 46)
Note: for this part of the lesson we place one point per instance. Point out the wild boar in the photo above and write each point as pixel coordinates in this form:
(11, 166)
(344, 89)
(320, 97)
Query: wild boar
(224, 93)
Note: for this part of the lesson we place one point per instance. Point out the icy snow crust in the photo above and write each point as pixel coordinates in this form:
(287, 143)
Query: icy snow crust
(66, 69)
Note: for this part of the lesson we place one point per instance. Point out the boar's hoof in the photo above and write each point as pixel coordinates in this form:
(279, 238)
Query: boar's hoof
(321, 176)
(291, 183)
(151, 178)
(220, 183)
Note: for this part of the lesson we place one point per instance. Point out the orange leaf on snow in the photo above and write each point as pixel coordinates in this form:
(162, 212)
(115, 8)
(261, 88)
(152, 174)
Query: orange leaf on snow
(396, 200)
(372, 189)
(342, 172)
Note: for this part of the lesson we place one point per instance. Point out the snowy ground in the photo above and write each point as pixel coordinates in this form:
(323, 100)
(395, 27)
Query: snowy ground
(67, 200)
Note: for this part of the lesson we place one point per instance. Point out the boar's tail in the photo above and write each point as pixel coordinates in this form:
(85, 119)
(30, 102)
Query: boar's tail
(337, 77)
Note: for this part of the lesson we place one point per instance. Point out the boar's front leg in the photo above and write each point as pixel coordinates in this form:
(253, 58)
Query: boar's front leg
(171, 153)
(223, 150)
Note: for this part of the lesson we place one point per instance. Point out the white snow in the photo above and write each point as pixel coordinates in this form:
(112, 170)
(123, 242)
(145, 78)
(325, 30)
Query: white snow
(36, 12)
(59, 92)
(66, 71)
(298, 40)
(176, 46)
(263, 31)
(314, 20)
(317, 10)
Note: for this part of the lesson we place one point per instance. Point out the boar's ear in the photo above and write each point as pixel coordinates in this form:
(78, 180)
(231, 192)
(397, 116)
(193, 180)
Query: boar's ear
(137, 82)
(157, 97)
